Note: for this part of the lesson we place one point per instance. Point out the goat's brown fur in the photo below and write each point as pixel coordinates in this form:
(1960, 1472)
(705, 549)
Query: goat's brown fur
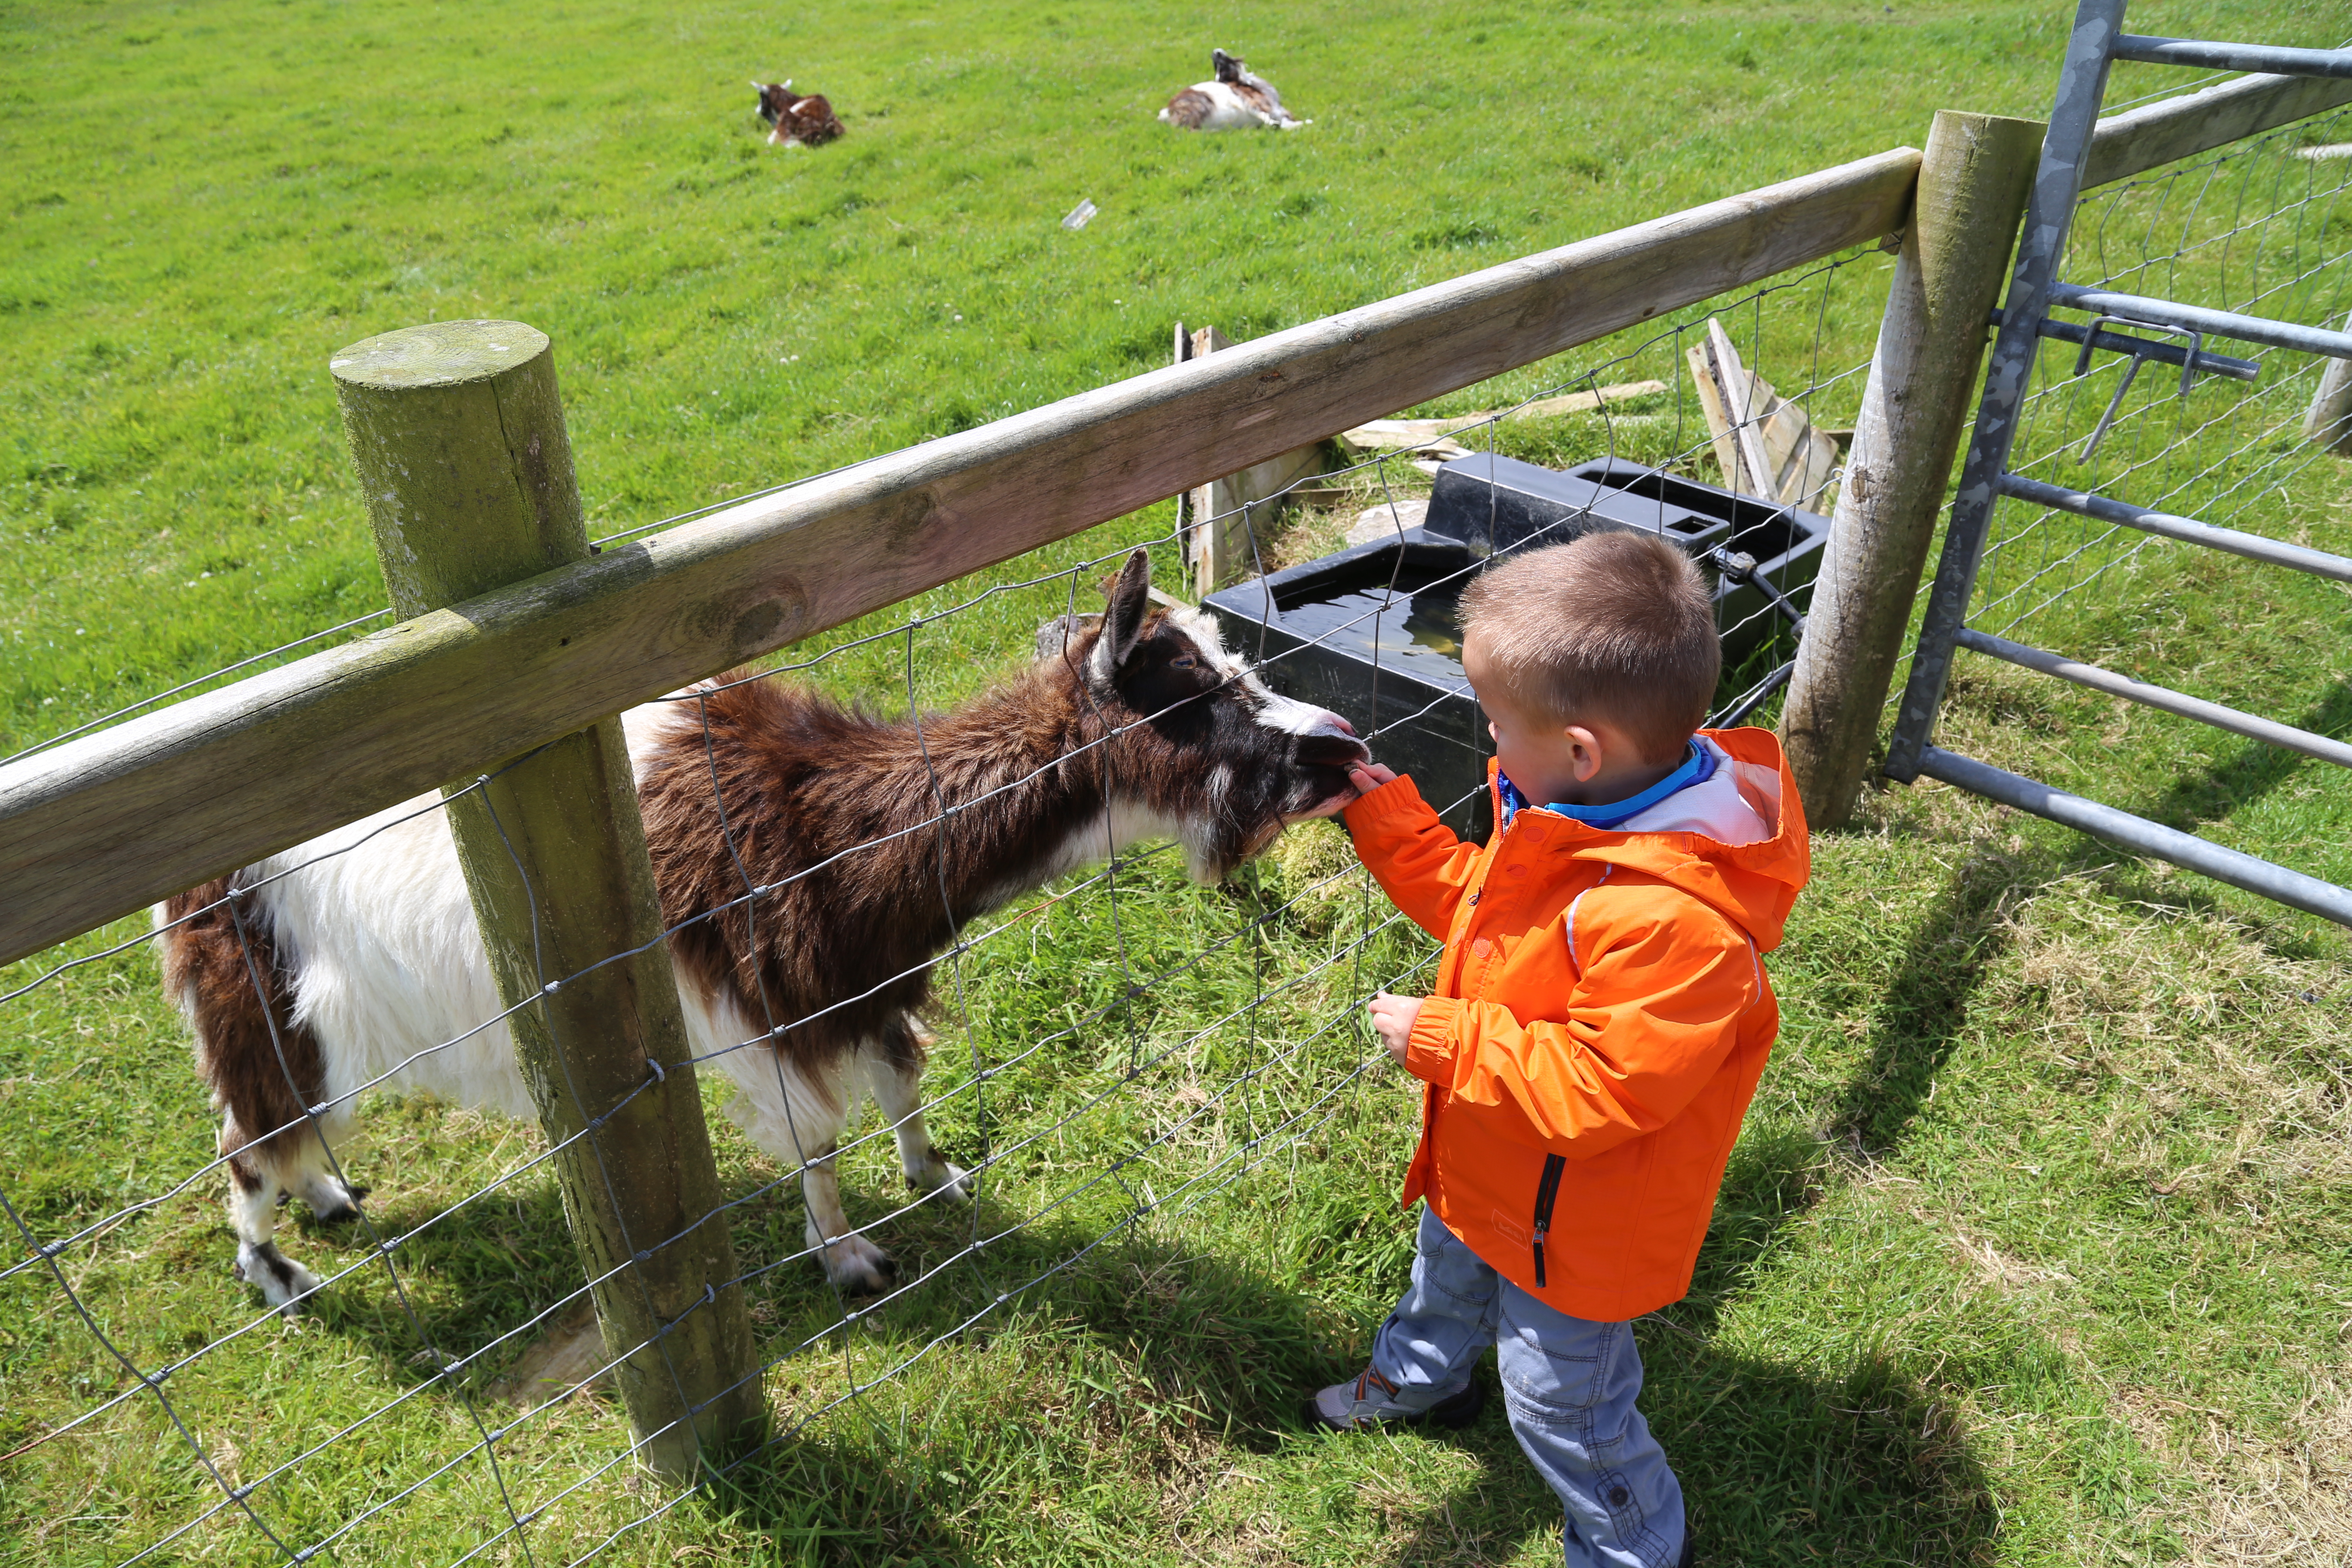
(871, 841)
(808, 784)
(262, 1079)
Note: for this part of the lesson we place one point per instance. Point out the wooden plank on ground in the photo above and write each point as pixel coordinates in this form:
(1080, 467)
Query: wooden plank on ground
(1396, 435)
(101, 826)
(1764, 445)
(1744, 399)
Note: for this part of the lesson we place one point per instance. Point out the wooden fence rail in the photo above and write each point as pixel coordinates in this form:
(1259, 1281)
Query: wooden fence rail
(98, 827)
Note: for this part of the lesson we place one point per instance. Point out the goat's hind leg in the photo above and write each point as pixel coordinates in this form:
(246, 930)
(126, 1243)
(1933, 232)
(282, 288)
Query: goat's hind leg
(258, 1182)
(897, 1074)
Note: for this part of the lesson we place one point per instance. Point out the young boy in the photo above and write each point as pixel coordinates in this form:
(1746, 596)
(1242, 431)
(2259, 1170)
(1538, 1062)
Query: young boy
(1599, 1020)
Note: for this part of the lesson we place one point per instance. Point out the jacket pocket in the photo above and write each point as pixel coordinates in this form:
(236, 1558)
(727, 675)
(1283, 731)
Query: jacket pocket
(1547, 1194)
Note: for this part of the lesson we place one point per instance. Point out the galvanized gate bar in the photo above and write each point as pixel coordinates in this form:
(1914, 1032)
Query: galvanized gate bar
(2159, 696)
(2188, 530)
(2208, 362)
(2048, 214)
(2197, 52)
(2140, 836)
(2197, 318)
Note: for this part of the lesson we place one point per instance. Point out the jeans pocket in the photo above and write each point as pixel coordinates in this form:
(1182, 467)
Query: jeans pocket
(1555, 1403)
(1558, 1382)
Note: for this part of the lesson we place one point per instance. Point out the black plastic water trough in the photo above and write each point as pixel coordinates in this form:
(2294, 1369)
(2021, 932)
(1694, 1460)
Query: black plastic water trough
(1373, 632)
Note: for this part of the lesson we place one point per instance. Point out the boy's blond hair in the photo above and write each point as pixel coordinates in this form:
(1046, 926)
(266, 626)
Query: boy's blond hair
(1613, 625)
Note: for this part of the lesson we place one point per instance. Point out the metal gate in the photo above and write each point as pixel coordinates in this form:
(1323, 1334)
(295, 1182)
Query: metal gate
(2152, 332)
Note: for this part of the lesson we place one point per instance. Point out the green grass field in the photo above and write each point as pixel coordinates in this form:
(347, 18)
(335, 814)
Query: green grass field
(2037, 1248)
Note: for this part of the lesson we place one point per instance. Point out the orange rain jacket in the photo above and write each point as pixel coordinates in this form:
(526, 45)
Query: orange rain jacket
(1601, 1018)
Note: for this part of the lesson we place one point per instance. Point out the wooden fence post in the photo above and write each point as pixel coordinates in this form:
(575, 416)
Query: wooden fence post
(1217, 545)
(458, 433)
(2328, 421)
(1972, 187)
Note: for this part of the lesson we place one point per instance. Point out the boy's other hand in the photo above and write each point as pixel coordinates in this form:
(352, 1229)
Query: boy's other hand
(1392, 1018)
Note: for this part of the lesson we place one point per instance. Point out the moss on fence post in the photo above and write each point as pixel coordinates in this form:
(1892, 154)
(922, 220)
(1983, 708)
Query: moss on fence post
(457, 432)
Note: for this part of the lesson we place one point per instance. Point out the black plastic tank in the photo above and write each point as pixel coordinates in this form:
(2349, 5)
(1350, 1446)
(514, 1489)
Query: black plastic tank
(1373, 632)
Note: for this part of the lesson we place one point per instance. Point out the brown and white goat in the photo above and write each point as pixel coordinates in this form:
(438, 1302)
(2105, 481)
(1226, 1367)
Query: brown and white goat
(1133, 725)
(1234, 98)
(797, 118)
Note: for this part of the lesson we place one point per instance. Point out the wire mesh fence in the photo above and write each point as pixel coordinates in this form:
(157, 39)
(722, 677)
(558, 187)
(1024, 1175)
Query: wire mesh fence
(1118, 1048)
(1809, 330)
(2260, 227)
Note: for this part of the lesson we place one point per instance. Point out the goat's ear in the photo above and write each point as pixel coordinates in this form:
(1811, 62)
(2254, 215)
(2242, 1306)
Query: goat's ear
(1128, 599)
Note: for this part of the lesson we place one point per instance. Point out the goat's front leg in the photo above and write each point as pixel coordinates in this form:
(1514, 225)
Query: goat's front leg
(852, 1262)
(897, 1080)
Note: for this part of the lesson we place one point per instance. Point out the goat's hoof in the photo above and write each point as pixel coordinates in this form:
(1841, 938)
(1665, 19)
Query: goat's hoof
(342, 1213)
(942, 1179)
(284, 1283)
(858, 1267)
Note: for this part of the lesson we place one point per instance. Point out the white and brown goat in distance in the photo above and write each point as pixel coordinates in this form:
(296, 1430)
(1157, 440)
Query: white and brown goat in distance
(1234, 98)
(1133, 725)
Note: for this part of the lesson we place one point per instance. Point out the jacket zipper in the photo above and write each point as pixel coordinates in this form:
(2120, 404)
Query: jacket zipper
(1547, 1190)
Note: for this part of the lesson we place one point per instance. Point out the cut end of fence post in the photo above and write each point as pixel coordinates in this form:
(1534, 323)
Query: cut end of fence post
(456, 429)
(1973, 182)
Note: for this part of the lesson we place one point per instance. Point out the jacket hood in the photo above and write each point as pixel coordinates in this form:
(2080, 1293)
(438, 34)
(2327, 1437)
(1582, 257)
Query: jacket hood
(1754, 884)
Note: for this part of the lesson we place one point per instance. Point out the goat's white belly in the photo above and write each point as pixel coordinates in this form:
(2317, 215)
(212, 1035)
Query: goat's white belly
(374, 922)
(391, 977)
(389, 969)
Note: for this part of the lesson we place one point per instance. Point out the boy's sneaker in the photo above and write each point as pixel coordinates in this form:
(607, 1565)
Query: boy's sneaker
(1370, 1399)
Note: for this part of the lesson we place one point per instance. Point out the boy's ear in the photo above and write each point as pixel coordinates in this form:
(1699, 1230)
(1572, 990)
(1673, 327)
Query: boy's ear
(1587, 758)
(1127, 601)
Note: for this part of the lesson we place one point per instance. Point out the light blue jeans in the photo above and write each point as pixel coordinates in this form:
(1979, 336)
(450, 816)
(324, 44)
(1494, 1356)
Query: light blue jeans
(1569, 1385)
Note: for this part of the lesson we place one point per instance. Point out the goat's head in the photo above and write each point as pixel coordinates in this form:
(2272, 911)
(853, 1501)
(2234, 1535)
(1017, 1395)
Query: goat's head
(1226, 68)
(1191, 737)
(775, 98)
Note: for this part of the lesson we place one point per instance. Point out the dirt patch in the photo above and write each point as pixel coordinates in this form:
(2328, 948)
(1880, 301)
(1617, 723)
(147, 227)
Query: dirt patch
(568, 1358)
(2282, 1500)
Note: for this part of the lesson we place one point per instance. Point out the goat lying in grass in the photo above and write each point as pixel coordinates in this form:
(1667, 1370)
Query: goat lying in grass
(1134, 725)
(798, 119)
(1232, 100)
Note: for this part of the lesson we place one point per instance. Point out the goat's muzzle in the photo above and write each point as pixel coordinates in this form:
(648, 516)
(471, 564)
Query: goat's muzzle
(1323, 756)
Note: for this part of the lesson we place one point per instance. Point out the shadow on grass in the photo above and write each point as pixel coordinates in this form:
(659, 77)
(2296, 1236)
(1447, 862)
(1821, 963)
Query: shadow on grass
(1114, 1373)
(1918, 1019)
(2212, 793)
(1144, 1355)
(1916, 1024)
(1777, 1466)
(470, 1278)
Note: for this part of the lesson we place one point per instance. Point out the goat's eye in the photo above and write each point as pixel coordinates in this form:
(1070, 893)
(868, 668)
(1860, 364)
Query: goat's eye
(1185, 662)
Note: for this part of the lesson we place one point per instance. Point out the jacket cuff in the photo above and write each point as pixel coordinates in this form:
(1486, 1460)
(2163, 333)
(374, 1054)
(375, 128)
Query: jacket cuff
(1429, 1049)
(1398, 797)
